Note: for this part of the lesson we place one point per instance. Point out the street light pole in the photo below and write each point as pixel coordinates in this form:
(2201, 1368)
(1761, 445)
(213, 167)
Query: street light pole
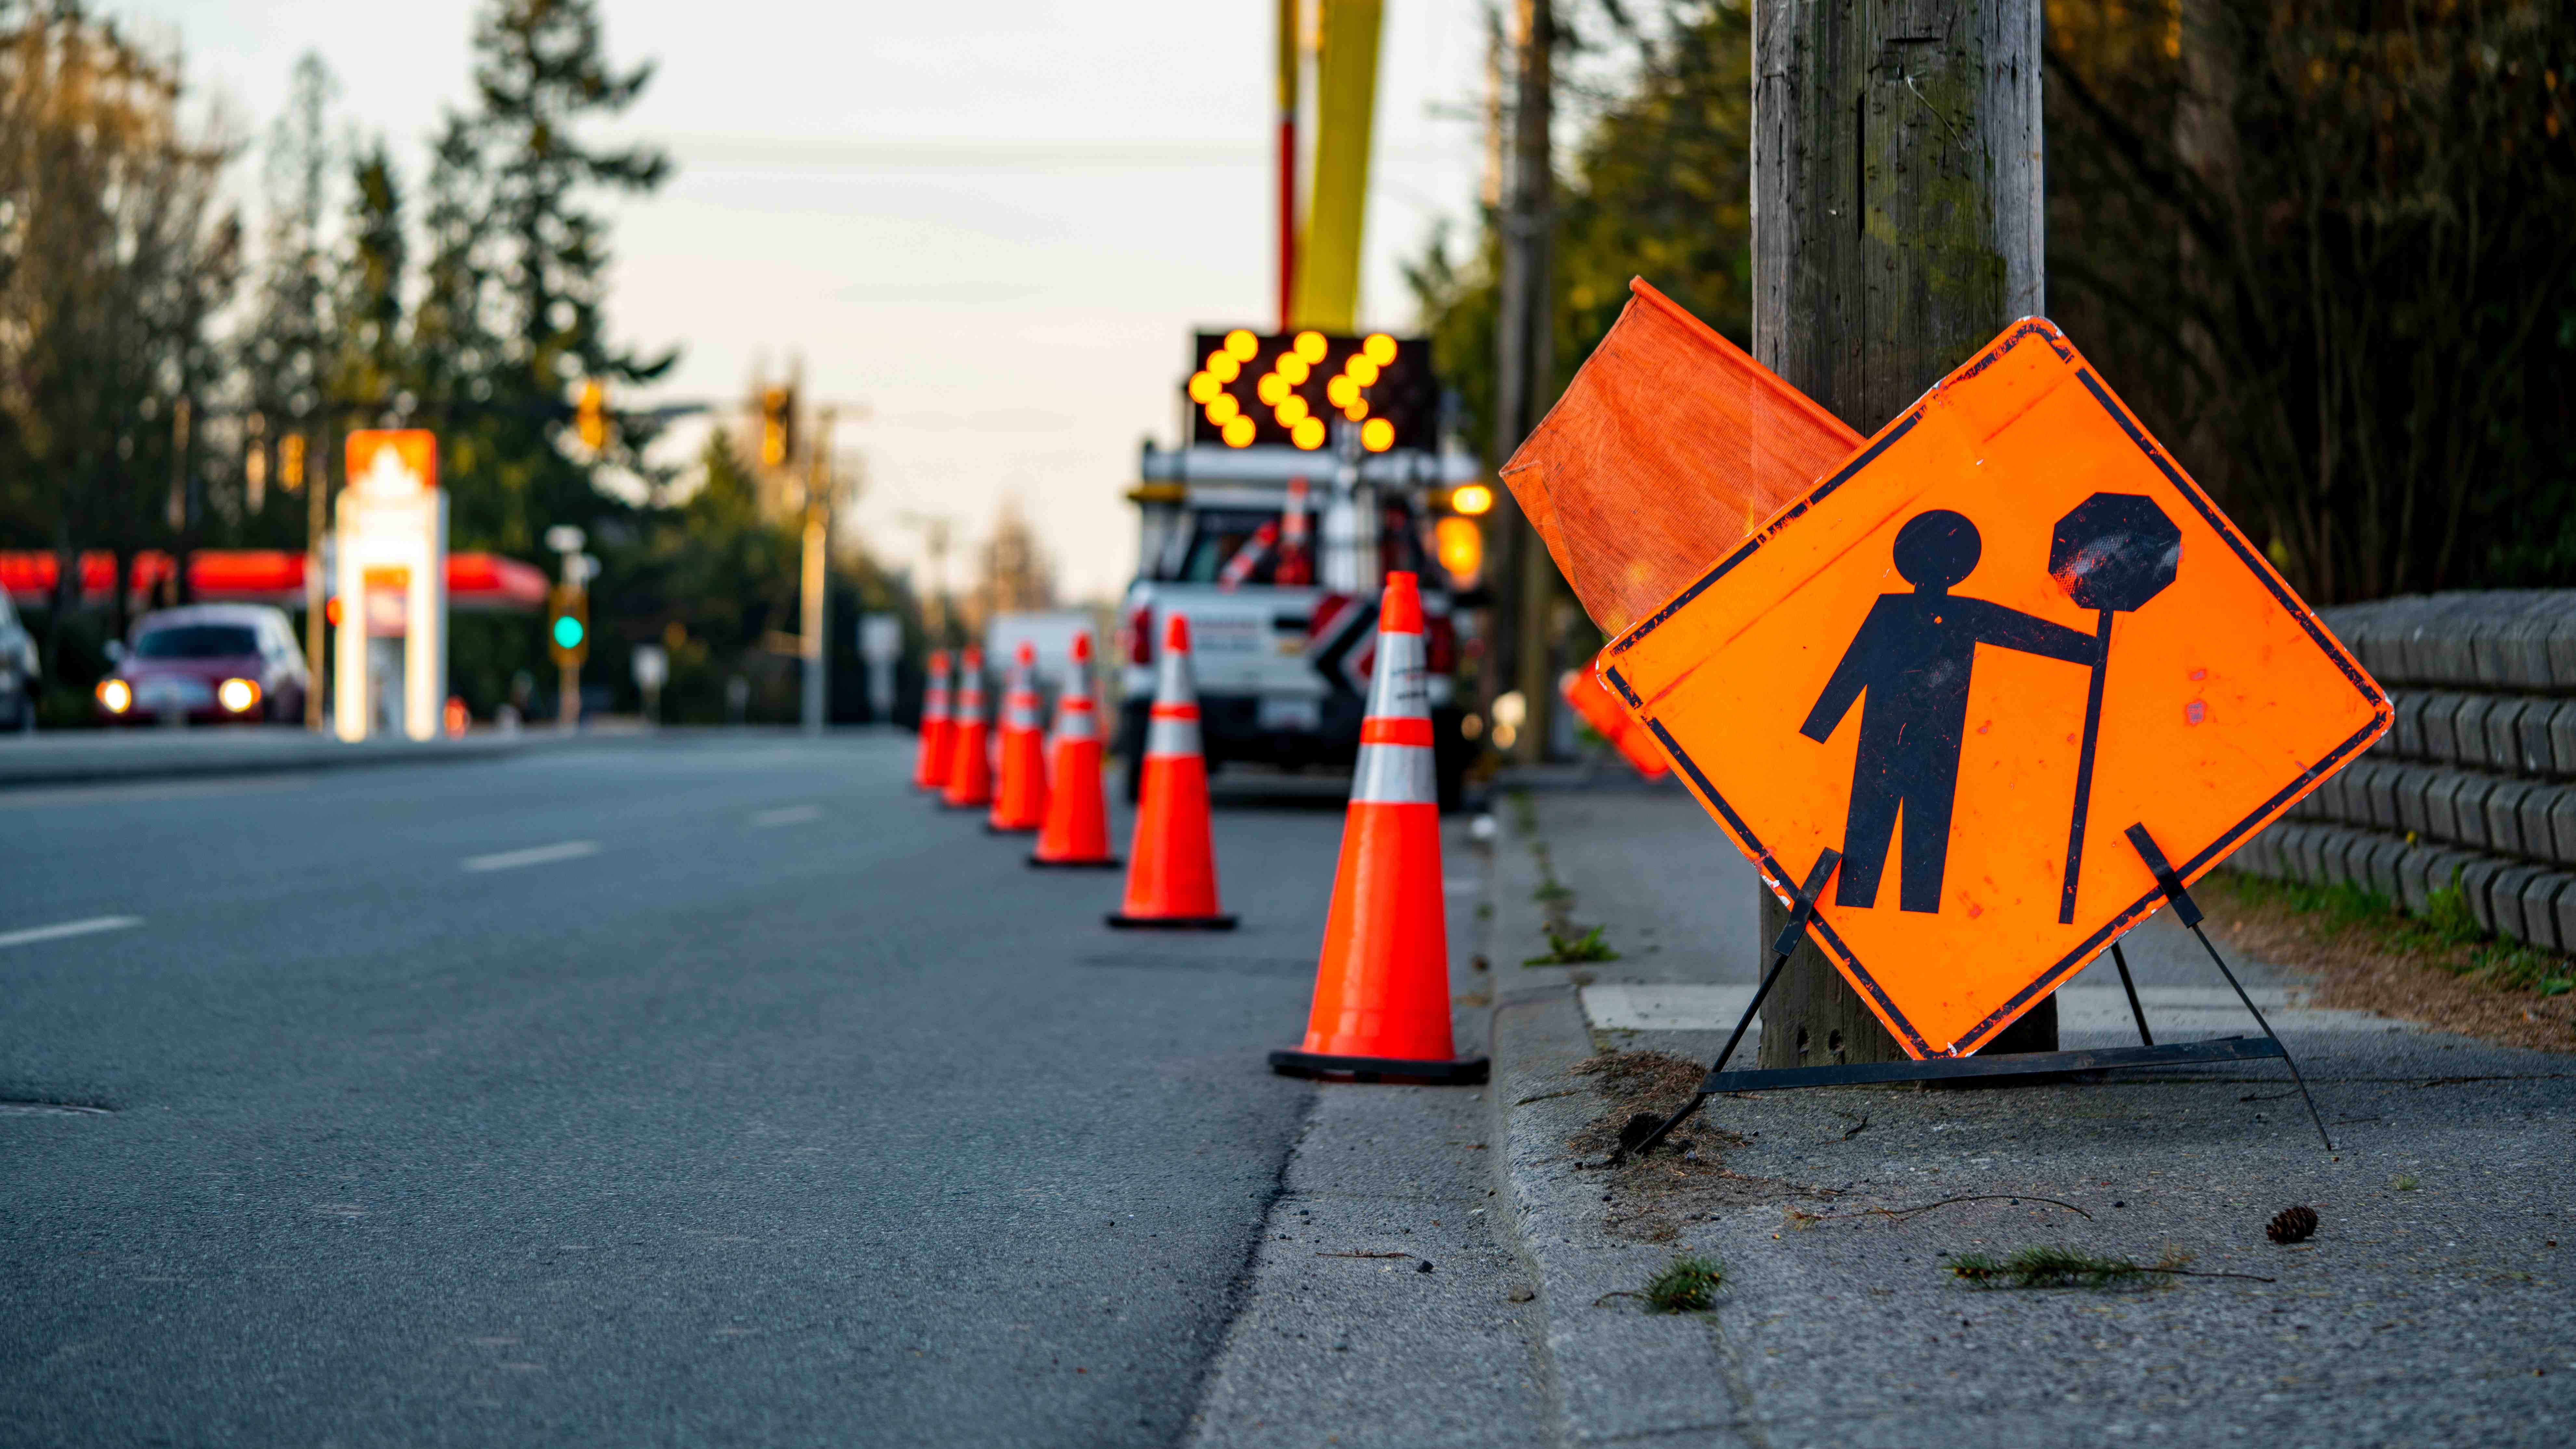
(316, 463)
(818, 528)
(567, 540)
(1525, 575)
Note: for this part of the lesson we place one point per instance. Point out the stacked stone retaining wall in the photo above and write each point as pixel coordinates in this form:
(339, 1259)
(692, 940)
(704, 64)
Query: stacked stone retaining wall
(2475, 783)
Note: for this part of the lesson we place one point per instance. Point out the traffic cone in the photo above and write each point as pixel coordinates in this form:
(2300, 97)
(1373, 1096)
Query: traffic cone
(930, 762)
(970, 770)
(1582, 688)
(1171, 864)
(1076, 833)
(1382, 988)
(1021, 802)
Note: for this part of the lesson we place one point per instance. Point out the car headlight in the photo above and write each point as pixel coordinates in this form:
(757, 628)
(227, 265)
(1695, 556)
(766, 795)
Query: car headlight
(116, 694)
(237, 695)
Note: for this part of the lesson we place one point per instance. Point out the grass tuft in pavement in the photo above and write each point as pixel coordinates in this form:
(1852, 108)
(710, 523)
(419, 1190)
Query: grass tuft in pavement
(2047, 1267)
(1689, 1285)
(1575, 950)
(2040, 1267)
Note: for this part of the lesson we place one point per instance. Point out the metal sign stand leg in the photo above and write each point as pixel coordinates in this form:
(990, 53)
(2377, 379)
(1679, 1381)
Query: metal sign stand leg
(2188, 912)
(2121, 960)
(1947, 1068)
(1780, 949)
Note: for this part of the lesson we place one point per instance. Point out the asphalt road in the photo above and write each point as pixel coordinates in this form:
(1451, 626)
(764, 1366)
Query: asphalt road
(710, 1091)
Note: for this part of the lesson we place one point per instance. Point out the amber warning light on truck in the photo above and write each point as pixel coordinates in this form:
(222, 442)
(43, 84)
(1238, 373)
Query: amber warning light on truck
(1288, 388)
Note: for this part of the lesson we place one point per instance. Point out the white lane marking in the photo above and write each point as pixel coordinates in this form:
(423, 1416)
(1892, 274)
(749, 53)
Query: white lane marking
(94, 924)
(533, 855)
(1680, 1007)
(788, 815)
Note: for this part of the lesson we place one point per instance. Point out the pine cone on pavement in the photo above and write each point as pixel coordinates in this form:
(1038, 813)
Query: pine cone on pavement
(2291, 1225)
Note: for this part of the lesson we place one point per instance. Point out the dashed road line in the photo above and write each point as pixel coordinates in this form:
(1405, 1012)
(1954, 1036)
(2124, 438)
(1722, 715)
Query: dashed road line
(533, 855)
(59, 930)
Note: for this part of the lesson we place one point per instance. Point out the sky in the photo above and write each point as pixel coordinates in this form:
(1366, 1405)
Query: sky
(993, 226)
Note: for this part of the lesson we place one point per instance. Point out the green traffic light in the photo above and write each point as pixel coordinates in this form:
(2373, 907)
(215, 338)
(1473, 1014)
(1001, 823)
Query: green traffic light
(567, 631)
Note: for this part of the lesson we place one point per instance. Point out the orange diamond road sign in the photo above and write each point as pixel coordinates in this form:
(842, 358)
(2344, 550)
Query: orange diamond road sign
(2000, 634)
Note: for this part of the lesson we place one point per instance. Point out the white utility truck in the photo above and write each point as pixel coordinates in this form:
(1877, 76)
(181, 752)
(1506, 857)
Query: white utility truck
(1312, 468)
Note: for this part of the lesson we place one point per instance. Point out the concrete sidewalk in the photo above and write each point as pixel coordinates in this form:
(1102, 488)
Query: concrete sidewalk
(2431, 1308)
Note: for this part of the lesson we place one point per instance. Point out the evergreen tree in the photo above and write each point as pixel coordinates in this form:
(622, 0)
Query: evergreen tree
(287, 353)
(519, 269)
(371, 373)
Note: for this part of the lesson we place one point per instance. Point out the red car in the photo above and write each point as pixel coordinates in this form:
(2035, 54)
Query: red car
(207, 664)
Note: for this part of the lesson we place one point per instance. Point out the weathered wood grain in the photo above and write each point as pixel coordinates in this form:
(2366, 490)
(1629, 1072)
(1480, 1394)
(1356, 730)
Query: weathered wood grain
(1897, 226)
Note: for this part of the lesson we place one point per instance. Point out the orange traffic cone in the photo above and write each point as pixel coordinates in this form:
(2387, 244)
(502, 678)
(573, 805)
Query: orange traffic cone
(1021, 802)
(1382, 989)
(970, 770)
(1582, 688)
(1076, 833)
(1171, 864)
(930, 762)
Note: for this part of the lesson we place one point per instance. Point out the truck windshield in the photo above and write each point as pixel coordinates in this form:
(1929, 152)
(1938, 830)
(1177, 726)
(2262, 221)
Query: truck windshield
(1216, 534)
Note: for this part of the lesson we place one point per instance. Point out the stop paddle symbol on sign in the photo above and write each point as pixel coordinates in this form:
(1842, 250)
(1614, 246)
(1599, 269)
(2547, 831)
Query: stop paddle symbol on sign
(1969, 660)
(2112, 552)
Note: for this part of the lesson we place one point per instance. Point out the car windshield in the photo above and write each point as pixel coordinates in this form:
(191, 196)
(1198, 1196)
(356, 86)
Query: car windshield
(197, 641)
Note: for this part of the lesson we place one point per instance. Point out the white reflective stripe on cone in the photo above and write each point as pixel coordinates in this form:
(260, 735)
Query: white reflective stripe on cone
(1175, 683)
(1400, 681)
(1020, 710)
(1394, 775)
(1172, 736)
(1076, 720)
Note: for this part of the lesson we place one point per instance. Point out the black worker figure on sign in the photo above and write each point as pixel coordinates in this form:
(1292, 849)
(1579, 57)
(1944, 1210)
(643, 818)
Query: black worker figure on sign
(1913, 656)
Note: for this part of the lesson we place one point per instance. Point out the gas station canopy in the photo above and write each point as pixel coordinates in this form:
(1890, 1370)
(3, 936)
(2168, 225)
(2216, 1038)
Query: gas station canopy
(476, 582)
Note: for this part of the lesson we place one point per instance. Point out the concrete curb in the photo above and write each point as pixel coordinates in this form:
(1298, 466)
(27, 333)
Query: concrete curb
(1621, 1374)
(1618, 1373)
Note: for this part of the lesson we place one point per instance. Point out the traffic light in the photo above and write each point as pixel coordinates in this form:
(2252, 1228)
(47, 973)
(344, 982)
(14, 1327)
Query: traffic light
(590, 419)
(1290, 387)
(777, 426)
(568, 624)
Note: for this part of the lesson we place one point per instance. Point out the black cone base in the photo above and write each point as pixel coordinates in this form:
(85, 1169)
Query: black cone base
(992, 829)
(1110, 864)
(983, 808)
(1173, 923)
(1379, 1069)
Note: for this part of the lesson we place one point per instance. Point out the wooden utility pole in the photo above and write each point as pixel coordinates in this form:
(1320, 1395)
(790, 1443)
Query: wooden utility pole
(1897, 227)
(1524, 360)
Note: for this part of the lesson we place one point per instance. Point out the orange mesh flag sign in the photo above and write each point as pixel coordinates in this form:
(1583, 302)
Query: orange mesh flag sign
(1669, 445)
(1970, 659)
